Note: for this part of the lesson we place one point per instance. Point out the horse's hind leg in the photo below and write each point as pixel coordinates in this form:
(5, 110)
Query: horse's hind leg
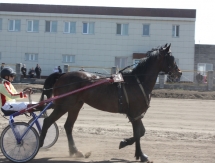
(54, 116)
(72, 116)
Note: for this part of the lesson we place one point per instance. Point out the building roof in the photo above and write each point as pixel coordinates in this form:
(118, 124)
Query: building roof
(139, 55)
(93, 10)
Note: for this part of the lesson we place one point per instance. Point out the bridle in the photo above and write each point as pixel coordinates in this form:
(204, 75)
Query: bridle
(175, 67)
(169, 67)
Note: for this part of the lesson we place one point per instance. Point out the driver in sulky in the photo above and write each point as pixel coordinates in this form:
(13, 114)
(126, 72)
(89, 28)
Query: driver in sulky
(8, 93)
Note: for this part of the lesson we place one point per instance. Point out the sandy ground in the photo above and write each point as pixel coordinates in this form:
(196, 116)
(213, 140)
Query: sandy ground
(177, 131)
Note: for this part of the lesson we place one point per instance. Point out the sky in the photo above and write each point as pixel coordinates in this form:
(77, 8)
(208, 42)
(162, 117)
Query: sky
(205, 12)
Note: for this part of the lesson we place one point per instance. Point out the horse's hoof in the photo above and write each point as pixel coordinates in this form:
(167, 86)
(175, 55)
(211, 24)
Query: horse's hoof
(79, 154)
(41, 143)
(144, 158)
(122, 144)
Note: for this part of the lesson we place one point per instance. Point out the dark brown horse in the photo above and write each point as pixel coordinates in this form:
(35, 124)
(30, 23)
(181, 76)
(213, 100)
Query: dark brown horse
(135, 92)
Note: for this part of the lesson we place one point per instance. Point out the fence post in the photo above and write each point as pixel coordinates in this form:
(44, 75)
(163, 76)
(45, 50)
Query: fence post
(114, 70)
(18, 72)
(210, 80)
(66, 68)
(161, 80)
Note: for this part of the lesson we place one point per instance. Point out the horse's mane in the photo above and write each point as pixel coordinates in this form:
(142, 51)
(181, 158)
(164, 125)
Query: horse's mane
(141, 67)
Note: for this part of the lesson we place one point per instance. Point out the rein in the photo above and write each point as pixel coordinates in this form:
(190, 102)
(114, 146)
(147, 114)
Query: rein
(127, 67)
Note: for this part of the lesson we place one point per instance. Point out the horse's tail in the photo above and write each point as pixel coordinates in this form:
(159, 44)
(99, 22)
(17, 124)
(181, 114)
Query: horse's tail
(48, 85)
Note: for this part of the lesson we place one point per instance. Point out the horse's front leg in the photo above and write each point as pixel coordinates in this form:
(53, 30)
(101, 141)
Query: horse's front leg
(130, 141)
(125, 142)
(139, 131)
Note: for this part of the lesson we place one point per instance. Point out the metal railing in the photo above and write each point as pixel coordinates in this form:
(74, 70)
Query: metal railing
(13, 66)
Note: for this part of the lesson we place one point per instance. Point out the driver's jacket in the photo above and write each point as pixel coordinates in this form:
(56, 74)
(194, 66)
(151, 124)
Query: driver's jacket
(8, 93)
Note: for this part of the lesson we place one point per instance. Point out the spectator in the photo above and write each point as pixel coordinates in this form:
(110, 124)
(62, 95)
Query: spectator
(59, 70)
(24, 70)
(31, 73)
(205, 79)
(199, 78)
(38, 71)
(2, 66)
(56, 69)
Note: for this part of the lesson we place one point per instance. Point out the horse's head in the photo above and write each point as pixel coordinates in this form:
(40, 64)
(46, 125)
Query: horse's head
(169, 65)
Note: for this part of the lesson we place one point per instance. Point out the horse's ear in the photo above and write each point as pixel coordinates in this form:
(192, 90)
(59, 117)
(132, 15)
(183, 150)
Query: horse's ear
(165, 45)
(168, 48)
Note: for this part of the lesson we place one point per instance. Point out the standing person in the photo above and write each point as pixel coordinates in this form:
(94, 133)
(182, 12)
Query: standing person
(199, 78)
(31, 73)
(24, 70)
(38, 71)
(8, 93)
(2, 66)
(56, 69)
(59, 70)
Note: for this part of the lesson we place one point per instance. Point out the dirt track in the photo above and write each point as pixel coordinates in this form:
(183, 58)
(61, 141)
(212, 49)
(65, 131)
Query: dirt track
(177, 131)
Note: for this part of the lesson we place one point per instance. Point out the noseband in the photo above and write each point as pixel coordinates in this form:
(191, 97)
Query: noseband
(170, 68)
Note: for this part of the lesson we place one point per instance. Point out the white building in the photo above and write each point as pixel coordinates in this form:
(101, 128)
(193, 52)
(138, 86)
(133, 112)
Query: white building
(53, 35)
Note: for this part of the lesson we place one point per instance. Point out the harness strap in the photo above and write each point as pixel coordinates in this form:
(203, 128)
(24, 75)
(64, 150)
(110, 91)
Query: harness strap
(121, 87)
(141, 88)
(137, 118)
(126, 95)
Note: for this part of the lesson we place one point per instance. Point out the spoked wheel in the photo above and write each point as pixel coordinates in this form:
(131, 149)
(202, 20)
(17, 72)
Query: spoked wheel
(51, 135)
(23, 151)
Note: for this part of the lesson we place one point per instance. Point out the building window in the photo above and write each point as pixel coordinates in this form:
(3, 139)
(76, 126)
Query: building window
(69, 27)
(203, 68)
(14, 25)
(146, 29)
(122, 29)
(51, 26)
(68, 58)
(0, 24)
(175, 30)
(121, 62)
(88, 28)
(33, 25)
(31, 57)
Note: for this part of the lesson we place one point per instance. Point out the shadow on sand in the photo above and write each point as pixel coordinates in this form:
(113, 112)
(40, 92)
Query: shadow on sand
(50, 160)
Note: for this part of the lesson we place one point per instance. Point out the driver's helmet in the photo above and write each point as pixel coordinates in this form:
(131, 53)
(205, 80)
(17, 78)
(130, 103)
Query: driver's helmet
(7, 72)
